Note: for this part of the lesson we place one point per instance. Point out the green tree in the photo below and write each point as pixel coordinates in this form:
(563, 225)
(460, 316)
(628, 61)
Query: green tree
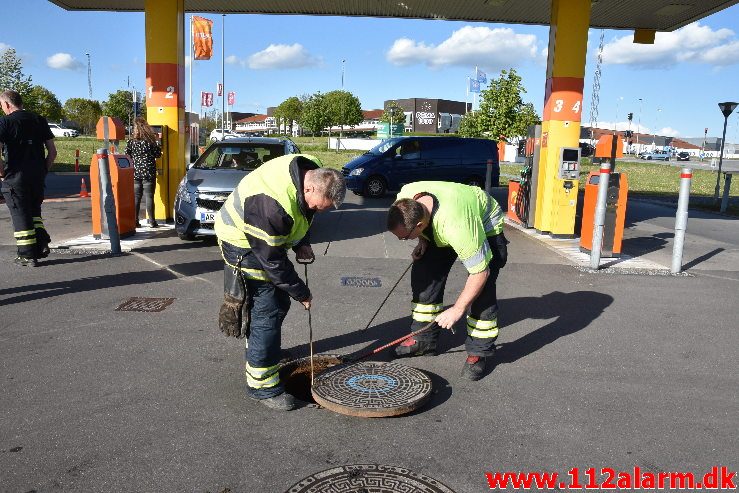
(393, 113)
(344, 109)
(502, 113)
(84, 112)
(119, 105)
(11, 74)
(315, 116)
(289, 111)
(469, 125)
(45, 103)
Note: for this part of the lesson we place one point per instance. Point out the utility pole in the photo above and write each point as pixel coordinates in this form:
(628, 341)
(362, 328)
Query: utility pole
(89, 75)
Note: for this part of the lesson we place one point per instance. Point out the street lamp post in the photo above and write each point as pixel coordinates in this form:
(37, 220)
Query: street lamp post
(638, 127)
(89, 75)
(726, 109)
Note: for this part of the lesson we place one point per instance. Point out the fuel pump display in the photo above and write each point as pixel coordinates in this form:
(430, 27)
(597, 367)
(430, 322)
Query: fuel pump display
(569, 163)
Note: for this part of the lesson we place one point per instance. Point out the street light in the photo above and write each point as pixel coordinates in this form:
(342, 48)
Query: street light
(89, 74)
(638, 127)
(726, 108)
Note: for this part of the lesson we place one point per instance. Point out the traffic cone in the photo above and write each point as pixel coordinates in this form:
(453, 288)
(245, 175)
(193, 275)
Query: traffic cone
(83, 189)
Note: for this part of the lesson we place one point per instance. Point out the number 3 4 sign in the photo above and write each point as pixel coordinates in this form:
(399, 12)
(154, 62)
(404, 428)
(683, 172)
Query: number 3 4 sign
(563, 99)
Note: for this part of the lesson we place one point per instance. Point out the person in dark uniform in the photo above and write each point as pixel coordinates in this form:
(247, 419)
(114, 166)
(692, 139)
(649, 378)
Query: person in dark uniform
(28, 154)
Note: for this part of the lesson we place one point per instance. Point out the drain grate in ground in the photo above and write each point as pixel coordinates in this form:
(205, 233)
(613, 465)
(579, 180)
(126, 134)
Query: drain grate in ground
(361, 282)
(144, 304)
(366, 478)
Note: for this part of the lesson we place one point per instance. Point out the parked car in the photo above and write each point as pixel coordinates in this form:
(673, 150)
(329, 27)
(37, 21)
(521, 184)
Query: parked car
(214, 175)
(683, 156)
(220, 134)
(397, 161)
(655, 155)
(60, 131)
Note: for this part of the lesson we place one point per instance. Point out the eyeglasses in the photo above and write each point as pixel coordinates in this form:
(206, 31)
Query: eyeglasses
(407, 237)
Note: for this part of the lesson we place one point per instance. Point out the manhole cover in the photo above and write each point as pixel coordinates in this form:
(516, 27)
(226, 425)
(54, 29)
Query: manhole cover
(372, 389)
(144, 304)
(368, 478)
(361, 282)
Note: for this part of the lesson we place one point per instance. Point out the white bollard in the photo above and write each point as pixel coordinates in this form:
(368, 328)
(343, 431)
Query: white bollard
(681, 220)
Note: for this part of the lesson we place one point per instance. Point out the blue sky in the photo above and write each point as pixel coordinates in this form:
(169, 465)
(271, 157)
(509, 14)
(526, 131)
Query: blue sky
(680, 78)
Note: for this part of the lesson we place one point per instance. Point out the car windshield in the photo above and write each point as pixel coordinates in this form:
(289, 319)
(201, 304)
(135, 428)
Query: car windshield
(246, 156)
(383, 146)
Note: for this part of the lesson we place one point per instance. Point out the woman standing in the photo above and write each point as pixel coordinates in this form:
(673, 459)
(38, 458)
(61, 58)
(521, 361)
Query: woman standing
(144, 150)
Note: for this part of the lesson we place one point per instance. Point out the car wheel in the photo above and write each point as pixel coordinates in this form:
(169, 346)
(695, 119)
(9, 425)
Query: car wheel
(475, 181)
(186, 236)
(375, 187)
(649, 158)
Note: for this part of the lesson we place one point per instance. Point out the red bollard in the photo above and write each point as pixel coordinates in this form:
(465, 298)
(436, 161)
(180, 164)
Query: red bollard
(76, 160)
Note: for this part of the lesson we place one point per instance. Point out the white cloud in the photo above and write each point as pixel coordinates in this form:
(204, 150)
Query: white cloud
(491, 49)
(282, 57)
(668, 132)
(188, 60)
(63, 61)
(4, 47)
(692, 43)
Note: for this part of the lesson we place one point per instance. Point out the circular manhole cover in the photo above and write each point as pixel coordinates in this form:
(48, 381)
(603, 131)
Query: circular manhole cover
(372, 389)
(368, 478)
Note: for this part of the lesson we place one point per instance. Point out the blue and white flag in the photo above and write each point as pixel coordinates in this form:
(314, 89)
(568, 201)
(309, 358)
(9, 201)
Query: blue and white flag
(481, 76)
(474, 85)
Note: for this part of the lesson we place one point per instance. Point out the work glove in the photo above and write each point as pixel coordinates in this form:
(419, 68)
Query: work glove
(304, 254)
(230, 317)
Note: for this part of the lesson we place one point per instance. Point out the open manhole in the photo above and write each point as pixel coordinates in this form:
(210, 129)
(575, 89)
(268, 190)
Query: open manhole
(295, 375)
(372, 389)
(144, 304)
(369, 478)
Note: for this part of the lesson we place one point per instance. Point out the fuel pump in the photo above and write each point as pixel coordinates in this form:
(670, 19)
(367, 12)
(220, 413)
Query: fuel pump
(522, 193)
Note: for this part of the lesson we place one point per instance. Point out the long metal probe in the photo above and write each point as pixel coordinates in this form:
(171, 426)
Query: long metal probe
(388, 295)
(310, 329)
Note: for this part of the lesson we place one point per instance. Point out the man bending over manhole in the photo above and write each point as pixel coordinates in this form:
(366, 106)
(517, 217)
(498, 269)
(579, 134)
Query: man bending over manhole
(270, 211)
(452, 220)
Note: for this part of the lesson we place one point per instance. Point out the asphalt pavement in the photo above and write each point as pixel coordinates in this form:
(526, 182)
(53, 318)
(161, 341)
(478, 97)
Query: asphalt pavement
(604, 370)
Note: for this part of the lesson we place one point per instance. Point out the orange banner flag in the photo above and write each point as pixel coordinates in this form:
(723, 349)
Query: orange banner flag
(202, 37)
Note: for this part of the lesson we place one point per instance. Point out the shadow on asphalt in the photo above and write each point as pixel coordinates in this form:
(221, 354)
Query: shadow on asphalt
(573, 312)
(52, 289)
(584, 308)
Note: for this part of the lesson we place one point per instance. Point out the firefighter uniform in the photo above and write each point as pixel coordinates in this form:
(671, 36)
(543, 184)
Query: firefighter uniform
(24, 134)
(264, 216)
(467, 223)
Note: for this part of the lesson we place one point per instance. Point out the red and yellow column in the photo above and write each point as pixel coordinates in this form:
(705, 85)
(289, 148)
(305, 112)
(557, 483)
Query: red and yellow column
(563, 104)
(165, 93)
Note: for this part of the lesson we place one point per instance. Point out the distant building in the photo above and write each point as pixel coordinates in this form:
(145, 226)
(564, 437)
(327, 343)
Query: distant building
(431, 115)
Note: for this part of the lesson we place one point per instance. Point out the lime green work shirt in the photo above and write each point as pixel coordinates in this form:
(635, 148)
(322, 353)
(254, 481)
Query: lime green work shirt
(463, 218)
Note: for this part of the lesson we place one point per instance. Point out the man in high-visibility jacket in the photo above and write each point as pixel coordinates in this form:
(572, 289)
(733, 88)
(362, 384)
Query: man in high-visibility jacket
(452, 220)
(270, 211)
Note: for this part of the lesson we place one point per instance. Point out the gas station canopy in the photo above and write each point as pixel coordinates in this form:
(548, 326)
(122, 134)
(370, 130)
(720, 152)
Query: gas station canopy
(658, 15)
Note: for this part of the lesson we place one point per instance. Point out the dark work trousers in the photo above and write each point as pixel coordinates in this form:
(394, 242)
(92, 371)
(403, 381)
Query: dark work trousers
(24, 203)
(428, 280)
(144, 188)
(268, 307)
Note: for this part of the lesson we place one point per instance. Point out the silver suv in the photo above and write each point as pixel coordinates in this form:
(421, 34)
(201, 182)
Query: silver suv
(211, 179)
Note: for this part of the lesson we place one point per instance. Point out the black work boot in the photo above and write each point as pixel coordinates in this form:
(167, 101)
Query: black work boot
(474, 368)
(25, 262)
(412, 347)
(280, 402)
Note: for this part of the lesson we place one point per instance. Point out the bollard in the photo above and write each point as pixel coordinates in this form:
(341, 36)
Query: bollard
(681, 220)
(600, 214)
(107, 202)
(489, 176)
(76, 160)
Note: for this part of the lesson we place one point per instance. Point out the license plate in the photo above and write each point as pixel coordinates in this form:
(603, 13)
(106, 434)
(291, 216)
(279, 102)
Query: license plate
(207, 217)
